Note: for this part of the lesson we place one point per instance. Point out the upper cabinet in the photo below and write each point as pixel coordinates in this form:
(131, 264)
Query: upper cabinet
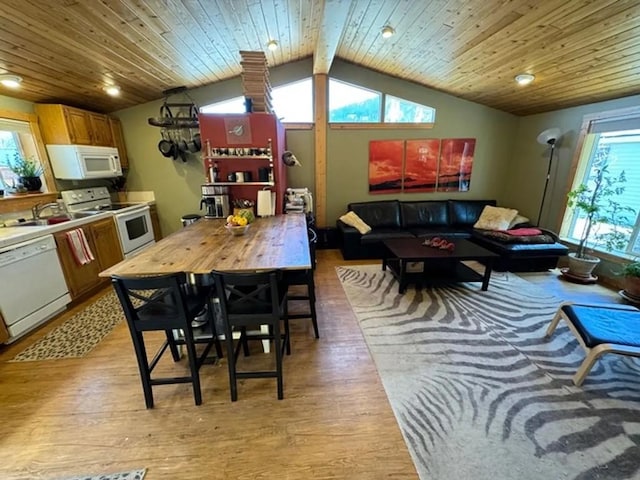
(63, 125)
(118, 140)
(75, 127)
(100, 130)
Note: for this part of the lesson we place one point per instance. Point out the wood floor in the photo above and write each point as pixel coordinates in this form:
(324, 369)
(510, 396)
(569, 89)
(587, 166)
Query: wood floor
(87, 416)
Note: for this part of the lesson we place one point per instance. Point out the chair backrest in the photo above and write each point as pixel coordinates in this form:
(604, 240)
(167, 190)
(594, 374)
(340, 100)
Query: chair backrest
(248, 298)
(313, 241)
(153, 303)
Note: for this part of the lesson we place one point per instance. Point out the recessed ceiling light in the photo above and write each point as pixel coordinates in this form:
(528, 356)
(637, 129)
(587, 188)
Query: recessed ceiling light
(112, 90)
(272, 45)
(388, 31)
(11, 81)
(524, 78)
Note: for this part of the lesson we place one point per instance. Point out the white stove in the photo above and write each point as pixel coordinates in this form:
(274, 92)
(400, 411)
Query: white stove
(91, 199)
(132, 219)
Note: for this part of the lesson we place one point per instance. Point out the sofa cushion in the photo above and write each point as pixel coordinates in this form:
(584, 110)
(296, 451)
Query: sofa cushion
(353, 220)
(383, 214)
(424, 214)
(466, 212)
(381, 234)
(495, 218)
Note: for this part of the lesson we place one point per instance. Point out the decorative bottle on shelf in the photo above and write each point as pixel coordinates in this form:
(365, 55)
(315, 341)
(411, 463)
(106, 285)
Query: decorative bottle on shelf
(214, 173)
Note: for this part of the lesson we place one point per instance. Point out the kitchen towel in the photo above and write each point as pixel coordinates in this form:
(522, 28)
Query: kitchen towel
(79, 246)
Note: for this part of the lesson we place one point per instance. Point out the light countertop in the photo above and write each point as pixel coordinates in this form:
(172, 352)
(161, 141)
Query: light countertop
(12, 235)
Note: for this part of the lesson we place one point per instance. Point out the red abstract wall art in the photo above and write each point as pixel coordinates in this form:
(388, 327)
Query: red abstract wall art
(427, 165)
(421, 165)
(385, 166)
(456, 161)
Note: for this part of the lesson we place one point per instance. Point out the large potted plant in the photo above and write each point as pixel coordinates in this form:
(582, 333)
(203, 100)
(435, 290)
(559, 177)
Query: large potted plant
(28, 171)
(631, 274)
(605, 221)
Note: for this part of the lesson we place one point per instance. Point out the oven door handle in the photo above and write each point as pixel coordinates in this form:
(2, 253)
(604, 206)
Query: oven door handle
(133, 212)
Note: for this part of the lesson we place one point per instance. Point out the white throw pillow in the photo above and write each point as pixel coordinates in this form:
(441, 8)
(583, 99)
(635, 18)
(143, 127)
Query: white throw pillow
(353, 220)
(517, 221)
(495, 218)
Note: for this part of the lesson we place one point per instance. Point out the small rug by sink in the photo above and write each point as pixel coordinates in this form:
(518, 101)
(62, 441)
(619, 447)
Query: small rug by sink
(131, 475)
(79, 334)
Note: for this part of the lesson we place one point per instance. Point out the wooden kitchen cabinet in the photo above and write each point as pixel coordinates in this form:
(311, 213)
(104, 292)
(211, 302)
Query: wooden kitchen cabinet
(155, 222)
(107, 243)
(100, 130)
(80, 278)
(118, 140)
(77, 125)
(63, 125)
(102, 237)
(4, 333)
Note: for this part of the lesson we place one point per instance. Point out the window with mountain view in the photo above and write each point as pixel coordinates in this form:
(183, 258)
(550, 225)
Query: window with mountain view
(353, 104)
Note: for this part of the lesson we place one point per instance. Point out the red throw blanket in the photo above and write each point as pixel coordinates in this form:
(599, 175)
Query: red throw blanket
(523, 232)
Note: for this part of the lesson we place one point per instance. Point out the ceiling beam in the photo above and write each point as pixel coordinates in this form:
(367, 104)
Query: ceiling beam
(334, 19)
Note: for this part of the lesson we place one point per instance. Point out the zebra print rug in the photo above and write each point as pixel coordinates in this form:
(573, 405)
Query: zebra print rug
(479, 393)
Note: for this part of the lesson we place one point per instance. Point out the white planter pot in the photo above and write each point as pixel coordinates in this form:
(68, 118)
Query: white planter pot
(582, 267)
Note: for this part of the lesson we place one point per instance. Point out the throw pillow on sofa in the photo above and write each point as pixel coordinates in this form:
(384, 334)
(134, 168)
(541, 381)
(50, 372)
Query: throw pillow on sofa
(495, 218)
(518, 220)
(353, 220)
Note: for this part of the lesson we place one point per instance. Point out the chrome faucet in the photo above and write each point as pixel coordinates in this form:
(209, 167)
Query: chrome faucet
(37, 209)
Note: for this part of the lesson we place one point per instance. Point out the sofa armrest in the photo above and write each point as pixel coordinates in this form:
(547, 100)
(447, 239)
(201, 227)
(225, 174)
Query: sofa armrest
(349, 240)
(553, 235)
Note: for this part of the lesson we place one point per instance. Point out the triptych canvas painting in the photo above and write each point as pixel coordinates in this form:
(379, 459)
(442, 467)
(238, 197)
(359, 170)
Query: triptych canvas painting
(430, 165)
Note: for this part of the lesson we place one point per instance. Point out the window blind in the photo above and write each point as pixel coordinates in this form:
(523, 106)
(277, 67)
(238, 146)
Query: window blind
(14, 126)
(616, 124)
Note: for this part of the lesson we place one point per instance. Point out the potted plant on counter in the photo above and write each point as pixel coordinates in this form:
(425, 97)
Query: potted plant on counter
(28, 171)
(605, 221)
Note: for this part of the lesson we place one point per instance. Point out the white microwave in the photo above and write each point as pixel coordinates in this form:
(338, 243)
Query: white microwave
(79, 162)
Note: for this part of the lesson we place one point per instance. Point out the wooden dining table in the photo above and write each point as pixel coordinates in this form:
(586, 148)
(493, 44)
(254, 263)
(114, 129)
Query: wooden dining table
(278, 242)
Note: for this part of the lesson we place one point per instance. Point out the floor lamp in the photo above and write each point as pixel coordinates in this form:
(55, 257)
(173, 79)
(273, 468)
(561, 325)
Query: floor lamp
(547, 137)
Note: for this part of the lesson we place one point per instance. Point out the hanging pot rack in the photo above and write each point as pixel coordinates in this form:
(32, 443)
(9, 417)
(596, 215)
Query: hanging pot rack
(176, 114)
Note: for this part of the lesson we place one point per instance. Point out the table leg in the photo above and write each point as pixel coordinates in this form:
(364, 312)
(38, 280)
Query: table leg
(401, 276)
(487, 274)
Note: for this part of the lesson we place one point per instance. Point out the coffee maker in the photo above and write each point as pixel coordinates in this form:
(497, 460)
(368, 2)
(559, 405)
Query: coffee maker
(216, 206)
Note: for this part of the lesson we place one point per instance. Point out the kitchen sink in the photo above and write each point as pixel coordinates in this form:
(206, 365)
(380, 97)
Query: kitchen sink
(42, 222)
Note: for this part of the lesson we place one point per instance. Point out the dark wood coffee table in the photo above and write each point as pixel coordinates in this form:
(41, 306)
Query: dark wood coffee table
(438, 266)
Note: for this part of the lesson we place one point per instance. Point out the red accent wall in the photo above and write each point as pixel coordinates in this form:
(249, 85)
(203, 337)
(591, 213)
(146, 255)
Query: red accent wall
(217, 132)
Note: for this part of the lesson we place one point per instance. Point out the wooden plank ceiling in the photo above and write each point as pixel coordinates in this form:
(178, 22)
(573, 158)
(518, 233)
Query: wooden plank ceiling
(580, 51)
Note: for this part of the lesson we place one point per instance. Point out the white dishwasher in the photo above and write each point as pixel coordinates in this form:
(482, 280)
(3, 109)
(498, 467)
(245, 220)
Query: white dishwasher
(33, 286)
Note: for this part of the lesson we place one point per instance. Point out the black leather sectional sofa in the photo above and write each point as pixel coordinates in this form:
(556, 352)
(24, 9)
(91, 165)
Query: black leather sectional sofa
(444, 218)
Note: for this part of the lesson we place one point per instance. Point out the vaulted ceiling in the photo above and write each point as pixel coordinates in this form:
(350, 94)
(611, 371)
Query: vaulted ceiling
(580, 51)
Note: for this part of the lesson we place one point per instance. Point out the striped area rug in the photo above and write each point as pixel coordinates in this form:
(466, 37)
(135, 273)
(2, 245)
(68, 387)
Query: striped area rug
(479, 393)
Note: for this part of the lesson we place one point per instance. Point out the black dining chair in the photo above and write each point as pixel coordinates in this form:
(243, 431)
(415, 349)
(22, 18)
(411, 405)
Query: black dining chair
(167, 303)
(293, 278)
(250, 300)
